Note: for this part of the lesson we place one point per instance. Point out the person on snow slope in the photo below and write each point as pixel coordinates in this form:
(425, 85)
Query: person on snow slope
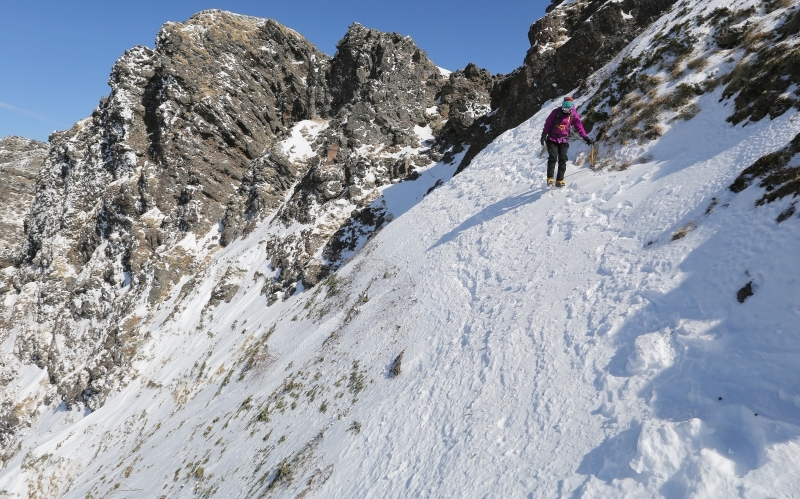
(555, 136)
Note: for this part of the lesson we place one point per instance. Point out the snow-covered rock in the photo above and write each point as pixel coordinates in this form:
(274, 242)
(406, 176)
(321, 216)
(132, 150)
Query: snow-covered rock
(497, 339)
(20, 161)
(230, 122)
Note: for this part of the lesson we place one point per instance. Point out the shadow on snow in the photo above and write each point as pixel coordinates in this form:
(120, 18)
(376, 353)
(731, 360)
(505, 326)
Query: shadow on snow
(492, 211)
(735, 364)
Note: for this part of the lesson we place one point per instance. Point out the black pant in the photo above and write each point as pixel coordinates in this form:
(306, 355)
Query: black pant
(557, 151)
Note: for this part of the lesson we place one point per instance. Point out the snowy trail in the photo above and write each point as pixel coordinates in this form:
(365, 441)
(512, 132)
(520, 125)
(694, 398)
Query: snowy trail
(630, 367)
(555, 343)
(548, 347)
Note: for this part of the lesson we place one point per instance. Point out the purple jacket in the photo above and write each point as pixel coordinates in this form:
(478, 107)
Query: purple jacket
(557, 126)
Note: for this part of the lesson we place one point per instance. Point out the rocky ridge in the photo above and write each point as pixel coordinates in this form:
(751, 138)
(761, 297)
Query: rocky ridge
(20, 161)
(196, 145)
(381, 85)
(232, 123)
(167, 171)
(570, 43)
(152, 167)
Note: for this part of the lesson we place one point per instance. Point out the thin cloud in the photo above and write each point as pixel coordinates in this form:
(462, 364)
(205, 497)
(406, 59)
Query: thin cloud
(31, 114)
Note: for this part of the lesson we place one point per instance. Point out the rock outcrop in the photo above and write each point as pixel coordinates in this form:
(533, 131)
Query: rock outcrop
(464, 99)
(567, 45)
(20, 161)
(229, 123)
(153, 167)
(382, 86)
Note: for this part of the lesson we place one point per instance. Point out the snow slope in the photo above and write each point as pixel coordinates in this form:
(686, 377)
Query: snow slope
(552, 343)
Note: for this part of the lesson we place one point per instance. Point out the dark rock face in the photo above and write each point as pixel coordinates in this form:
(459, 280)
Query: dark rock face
(262, 190)
(187, 130)
(20, 161)
(729, 37)
(193, 148)
(765, 81)
(227, 88)
(381, 86)
(464, 99)
(567, 45)
(776, 173)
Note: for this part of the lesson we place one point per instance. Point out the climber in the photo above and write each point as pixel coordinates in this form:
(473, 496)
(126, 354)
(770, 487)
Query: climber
(556, 136)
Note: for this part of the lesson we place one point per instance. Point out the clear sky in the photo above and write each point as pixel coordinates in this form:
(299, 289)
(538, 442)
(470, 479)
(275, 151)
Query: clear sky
(55, 55)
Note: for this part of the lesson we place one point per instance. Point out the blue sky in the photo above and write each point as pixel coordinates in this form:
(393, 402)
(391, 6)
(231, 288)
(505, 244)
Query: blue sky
(55, 56)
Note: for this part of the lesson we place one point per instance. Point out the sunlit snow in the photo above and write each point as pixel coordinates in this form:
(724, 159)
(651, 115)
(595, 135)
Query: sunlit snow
(555, 343)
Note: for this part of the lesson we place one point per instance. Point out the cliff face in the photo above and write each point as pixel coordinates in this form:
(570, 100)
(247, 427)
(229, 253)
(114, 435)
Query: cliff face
(229, 123)
(232, 124)
(152, 167)
(20, 161)
(567, 45)
(381, 86)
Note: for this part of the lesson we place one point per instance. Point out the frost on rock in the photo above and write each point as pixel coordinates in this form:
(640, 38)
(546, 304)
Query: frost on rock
(225, 264)
(20, 161)
(228, 123)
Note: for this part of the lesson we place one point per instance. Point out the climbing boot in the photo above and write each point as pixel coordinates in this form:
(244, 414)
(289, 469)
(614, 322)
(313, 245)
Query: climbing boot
(560, 183)
(551, 181)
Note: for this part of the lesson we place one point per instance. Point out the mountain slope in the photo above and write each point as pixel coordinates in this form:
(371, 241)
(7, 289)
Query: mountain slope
(230, 122)
(575, 38)
(632, 335)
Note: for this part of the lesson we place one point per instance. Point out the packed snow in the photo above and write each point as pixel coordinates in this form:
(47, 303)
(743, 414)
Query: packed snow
(498, 339)
(298, 145)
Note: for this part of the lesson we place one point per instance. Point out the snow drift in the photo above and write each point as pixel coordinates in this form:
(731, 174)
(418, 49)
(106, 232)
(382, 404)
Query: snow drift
(631, 335)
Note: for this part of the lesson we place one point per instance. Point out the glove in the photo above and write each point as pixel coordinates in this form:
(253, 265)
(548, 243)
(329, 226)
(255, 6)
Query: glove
(544, 139)
(588, 141)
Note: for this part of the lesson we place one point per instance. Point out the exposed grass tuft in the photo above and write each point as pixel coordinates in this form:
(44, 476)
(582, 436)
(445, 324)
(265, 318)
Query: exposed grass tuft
(355, 427)
(683, 231)
(397, 365)
(283, 475)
